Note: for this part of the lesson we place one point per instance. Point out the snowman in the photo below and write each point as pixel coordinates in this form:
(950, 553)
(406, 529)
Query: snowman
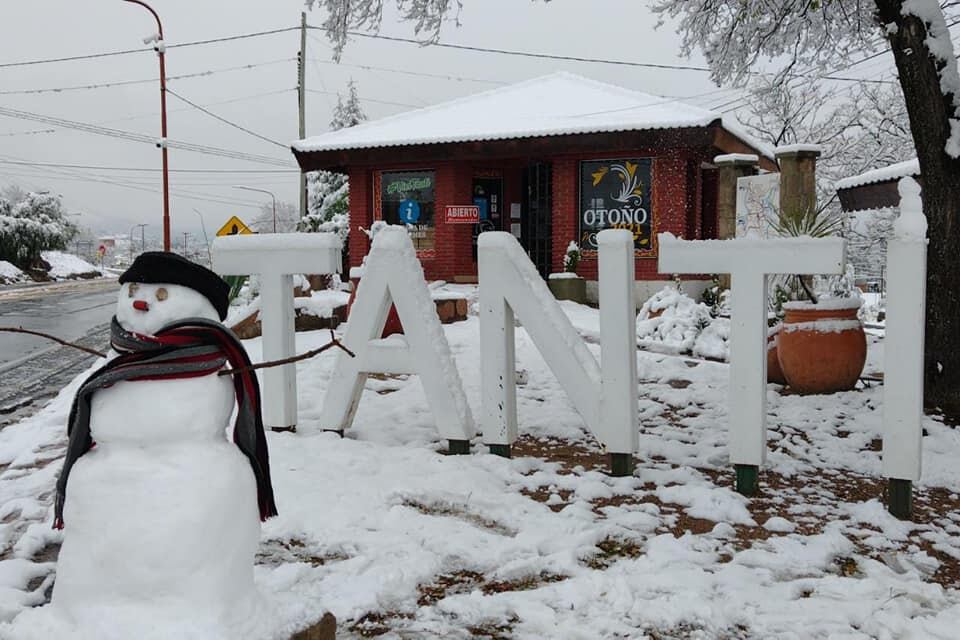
(161, 512)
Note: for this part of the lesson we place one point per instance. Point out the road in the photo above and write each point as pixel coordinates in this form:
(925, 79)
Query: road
(33, 369)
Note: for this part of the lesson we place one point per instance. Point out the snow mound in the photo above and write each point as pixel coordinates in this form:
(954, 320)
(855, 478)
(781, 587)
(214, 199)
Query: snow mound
(66, 265)
(10, 274)
(671, 321)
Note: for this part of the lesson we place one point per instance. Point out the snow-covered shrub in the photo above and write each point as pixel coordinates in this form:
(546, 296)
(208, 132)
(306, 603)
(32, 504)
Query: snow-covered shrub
(671, 321)
(714, 341)
(33, 225)
(572, 258)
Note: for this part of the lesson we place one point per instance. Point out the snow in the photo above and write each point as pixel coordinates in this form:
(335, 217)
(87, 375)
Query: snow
(736, 157)
(277, 242)
(822, 326)
(369, 522)
(65, 265)
(890, 172)
(798, 148)
(557, 104)
(563, 275)
(9, 273)
(828, 304)
(321, 303)
(911, 224)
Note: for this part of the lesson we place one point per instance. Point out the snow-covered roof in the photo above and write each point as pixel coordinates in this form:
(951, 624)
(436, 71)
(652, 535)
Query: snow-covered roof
(890, 172)
(558, 104)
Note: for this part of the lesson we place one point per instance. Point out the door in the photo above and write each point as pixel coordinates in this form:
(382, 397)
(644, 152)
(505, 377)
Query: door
(488, 196)
(537, 215)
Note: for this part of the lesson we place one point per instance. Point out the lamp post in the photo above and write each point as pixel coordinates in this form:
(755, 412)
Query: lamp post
(143, 243)
(206, 240)
(240, 186)
(161, 48)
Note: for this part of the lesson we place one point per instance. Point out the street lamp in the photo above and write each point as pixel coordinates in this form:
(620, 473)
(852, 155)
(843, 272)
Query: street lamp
(206, 240)
(160, 48)
(143, 243)
(240, 186)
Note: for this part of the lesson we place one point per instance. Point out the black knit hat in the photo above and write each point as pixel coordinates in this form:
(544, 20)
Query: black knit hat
(160, 267)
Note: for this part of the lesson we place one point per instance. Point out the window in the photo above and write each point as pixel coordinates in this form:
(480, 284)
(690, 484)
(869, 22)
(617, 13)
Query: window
(615, 194)
(407, 198)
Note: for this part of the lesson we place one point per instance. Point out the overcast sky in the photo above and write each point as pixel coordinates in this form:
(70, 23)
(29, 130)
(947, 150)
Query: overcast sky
(263, 98)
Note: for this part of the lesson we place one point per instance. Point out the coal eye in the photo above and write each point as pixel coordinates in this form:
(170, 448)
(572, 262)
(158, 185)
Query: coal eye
(161, 294)
(132, 289)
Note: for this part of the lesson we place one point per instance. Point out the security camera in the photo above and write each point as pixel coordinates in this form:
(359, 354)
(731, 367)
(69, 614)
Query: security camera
(153, 37)
(161, 143)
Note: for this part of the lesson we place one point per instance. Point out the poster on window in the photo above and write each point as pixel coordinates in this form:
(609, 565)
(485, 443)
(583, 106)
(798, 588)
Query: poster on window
(758, 205)
(615, 194)
(407, 198)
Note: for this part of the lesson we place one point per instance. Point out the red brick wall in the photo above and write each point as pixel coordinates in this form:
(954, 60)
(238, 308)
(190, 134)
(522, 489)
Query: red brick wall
(361, 213)
(679, 193)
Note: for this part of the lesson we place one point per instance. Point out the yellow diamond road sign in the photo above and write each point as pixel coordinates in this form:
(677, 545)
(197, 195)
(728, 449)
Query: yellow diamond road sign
(234, 227)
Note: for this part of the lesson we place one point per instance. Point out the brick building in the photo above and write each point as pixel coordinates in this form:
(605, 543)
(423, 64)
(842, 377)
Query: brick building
(551, 160)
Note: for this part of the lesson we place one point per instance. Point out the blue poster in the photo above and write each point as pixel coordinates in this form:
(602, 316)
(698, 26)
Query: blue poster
(482, 203)
(409, 211)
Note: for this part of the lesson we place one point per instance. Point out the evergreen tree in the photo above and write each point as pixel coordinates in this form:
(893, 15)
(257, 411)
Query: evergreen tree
(34, 224)
(328, 200)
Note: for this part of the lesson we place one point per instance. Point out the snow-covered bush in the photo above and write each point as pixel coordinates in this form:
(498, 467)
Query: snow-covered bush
(33, 225)
(671, 321)
(714, 341)
(571, 260)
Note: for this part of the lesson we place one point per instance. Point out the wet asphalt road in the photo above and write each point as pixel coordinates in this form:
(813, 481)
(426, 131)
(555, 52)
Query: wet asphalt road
(33, 369)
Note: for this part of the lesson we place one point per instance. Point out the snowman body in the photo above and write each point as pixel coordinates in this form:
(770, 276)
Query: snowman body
(161, 515)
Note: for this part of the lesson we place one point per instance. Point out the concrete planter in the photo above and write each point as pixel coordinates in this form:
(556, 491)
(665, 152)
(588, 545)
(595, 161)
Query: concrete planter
(565, 288)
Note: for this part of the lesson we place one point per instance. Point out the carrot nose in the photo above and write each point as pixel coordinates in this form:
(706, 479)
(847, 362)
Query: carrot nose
(141, 305)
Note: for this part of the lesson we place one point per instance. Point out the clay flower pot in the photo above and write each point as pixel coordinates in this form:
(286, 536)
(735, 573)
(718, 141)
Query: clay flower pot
(774, 372)
(822, 347)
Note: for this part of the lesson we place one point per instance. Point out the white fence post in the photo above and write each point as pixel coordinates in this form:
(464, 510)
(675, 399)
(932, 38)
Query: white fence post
(275, 257)
(749, 261)
(903, 350)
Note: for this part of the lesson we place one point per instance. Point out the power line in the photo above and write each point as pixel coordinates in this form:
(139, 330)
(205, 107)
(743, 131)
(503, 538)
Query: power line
(225, 121)
(139, 137)
(106, 54)
(362, 99)
(140, 169)
(125, 83)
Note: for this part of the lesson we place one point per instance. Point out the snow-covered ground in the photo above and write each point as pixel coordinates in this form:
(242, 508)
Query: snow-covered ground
(66, 265)
(10, 273)
(396, 538)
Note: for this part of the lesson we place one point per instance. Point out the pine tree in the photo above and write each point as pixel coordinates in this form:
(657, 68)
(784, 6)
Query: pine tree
(328, 200)
(34, 224)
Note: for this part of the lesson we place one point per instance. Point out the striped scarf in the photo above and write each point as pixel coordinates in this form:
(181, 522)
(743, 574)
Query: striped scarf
(184, 349)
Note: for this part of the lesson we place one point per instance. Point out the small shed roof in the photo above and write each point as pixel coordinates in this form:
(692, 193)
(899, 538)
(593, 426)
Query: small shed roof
(558, 104)
(875, 189)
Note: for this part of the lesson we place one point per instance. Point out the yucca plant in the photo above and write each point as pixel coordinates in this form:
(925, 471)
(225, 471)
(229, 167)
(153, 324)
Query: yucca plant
(810, 222)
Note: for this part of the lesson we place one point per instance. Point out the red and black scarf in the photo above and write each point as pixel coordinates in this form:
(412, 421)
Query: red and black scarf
(185, 349)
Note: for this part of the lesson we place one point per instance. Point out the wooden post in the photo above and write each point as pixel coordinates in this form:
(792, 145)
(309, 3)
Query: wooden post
(798, 178)
(730, 168)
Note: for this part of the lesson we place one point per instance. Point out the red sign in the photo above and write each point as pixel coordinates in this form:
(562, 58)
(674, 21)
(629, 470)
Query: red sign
(462, 214)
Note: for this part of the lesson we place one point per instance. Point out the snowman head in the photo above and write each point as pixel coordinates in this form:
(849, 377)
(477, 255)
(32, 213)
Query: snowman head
(161, 288)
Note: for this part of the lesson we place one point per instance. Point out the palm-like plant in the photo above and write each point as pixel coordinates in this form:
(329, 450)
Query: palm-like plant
(810, 222)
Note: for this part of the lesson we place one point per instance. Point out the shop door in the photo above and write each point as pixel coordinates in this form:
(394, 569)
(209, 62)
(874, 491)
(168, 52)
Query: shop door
(488, 195)
(537, 214)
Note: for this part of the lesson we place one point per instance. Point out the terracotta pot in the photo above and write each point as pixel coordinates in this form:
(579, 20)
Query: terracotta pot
(821, 349)
(774, 372)
(392, 325)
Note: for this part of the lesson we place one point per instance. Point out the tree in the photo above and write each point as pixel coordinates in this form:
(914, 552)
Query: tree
(858, 126)
(808, 36)
(328, 200)
(288, 214)
(34, 224)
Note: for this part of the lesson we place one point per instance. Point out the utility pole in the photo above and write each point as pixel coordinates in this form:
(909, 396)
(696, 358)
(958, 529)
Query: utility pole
(185, 234)
(302, 91)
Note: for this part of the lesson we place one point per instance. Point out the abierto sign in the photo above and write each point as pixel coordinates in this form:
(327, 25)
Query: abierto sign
(461, 214)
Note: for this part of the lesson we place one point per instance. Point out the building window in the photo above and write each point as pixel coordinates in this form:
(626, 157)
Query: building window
(615, 194)
(407, 198)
